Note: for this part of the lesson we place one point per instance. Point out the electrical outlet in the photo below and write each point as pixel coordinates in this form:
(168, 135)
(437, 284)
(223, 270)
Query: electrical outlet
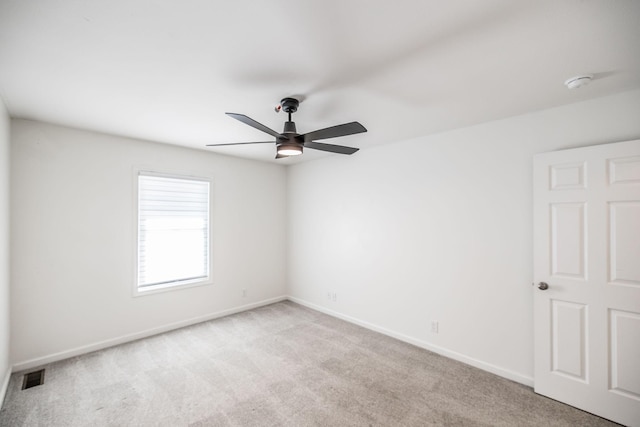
(329, 296)
(434, 326)
(334, 297)
(244, 293)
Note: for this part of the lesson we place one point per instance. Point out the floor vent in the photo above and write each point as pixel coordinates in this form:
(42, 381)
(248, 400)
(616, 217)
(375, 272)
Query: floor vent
(33, 379)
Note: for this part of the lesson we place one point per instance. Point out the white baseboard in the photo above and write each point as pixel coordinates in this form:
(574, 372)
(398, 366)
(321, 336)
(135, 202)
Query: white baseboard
(505, 373)
(4, 385)
(39, 361)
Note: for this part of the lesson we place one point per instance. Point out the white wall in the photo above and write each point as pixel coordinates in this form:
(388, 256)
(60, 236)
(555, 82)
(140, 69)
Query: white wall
(5, 367)
(439, 228)
(73, 247)
(435, 228)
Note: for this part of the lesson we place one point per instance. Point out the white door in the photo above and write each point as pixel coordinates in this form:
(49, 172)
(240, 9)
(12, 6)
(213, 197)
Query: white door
(587, 251)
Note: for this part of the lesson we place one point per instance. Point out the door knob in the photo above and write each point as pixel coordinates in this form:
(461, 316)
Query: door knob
(543, 286)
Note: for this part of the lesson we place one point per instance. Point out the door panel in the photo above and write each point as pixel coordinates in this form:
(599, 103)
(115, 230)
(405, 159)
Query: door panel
(625, 356)
(569, 341)
(568, 176)
(625, 170)
(587, 249)
(567, 240)
(624, 243)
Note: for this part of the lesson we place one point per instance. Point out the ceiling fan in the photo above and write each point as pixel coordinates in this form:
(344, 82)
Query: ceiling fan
(290, 142)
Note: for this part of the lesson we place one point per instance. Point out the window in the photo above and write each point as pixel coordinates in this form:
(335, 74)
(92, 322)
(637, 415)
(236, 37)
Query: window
(173, 231)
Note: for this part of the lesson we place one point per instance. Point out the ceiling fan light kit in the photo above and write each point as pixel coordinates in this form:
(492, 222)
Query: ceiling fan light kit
(290, 142)
(289, 150)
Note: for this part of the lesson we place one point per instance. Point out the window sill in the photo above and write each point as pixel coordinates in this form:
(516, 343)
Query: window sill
(150, 290)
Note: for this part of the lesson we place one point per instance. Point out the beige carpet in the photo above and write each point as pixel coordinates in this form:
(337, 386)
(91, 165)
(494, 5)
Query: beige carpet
(279, 365)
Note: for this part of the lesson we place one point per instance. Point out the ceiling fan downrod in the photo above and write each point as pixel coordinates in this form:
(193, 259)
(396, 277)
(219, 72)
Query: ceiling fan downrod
(289, 106)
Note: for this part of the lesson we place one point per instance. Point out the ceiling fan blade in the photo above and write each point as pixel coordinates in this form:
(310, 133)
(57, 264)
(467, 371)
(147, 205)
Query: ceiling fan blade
(240, 143)
(340, 149)
(280, 156)
(333, 132)
(249, 121)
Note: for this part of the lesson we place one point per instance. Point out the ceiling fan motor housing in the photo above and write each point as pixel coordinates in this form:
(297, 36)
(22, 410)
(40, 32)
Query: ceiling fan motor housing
(288, 140)
(289, 127)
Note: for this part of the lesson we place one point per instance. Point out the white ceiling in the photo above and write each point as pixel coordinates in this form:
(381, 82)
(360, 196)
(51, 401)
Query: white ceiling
(167, 71)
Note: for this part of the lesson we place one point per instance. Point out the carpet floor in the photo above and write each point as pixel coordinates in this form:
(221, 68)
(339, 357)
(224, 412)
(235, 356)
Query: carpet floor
(278, 365)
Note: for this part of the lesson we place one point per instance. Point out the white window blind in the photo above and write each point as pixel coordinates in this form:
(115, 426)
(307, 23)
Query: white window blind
(173, 231)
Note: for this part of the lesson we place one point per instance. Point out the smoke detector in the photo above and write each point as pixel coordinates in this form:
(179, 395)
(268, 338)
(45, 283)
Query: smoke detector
(578, 81)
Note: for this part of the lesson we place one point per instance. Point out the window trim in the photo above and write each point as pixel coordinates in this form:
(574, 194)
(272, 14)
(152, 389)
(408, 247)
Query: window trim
(150, 290)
